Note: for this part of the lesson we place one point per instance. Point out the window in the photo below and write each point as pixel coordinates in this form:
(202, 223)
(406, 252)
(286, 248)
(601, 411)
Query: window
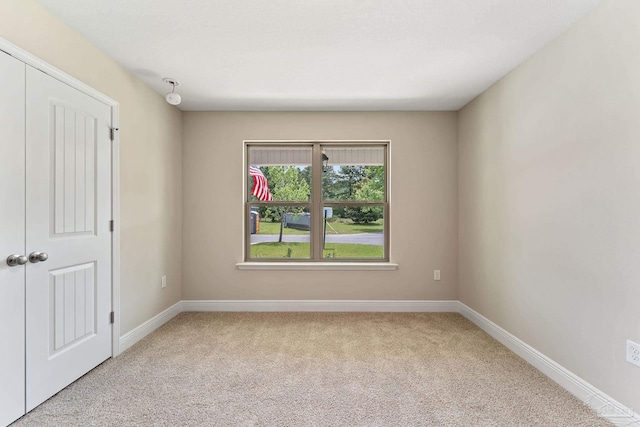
(316, 201)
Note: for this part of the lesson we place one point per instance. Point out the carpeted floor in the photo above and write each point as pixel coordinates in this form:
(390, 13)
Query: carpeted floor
(315, 369)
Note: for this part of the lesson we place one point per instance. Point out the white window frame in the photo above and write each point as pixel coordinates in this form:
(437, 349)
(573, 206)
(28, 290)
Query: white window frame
(316, 207)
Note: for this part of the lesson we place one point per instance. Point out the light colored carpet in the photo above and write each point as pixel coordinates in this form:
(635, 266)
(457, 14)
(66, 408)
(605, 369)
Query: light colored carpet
(315, 369)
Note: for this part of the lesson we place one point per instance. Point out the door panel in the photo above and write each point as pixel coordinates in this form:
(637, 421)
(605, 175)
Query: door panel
(72, 316)
(12, 279)
(68, 208)
(74, 169)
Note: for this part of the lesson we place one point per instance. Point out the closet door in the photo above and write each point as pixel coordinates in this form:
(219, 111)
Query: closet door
(68, 209)
(12, 278)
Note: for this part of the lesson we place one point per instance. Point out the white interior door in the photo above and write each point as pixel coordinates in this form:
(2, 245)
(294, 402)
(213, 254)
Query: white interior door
(12, 278)
(68, 209)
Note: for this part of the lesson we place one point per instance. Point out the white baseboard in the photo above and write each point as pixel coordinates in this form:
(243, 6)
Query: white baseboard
(130, 338)
(321, 305)
(136, 334)
(602, 404)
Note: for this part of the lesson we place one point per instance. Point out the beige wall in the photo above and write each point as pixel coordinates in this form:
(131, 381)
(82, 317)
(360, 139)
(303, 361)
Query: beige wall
(150, 157)
(549, 200)
(423, 206)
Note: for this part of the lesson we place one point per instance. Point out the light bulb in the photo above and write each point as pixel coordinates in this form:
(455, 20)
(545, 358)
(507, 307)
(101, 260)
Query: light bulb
(173, 98)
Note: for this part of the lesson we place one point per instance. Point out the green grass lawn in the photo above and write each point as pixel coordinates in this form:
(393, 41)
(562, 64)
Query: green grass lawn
(302, 250)
(341, 226)
(352, 250)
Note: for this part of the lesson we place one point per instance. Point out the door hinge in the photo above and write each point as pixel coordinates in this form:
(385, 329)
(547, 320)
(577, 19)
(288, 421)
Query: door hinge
(112, 134)
(111, 226)
(112, 317)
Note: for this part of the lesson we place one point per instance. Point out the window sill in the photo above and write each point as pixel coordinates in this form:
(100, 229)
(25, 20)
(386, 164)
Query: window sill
(341, 266)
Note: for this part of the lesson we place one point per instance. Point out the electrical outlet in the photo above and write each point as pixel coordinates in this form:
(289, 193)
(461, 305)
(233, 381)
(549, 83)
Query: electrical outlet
(633, 353)
(164, 281)
(436, 274)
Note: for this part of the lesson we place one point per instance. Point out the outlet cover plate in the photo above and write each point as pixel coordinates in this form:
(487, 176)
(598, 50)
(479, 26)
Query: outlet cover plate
(633, 353)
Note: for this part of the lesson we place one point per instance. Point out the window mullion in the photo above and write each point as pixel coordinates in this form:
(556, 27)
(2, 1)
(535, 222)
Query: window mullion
(316, 203)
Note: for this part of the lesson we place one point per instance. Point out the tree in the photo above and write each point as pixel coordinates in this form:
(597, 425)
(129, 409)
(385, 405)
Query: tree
(305, 175)
(349, 178)
(332, 185)
(370, 188)
(285, 184)
(376, 175)
(365, 214)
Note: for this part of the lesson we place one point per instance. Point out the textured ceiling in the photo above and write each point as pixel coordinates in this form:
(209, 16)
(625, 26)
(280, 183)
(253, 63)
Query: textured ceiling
(321, 54)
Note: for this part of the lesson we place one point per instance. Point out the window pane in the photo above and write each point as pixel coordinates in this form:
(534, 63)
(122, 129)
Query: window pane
(279, 173)
(353, 232)
(279, 232)
(353, 173)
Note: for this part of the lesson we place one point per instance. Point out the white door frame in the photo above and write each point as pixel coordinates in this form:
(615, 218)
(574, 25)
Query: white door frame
(43, 66)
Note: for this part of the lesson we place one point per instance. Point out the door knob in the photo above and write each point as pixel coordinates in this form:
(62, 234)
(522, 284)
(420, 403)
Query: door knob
(14, 260)
(36, 257)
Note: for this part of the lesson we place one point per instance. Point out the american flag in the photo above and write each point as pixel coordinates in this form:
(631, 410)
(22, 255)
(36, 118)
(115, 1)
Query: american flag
(260, 185)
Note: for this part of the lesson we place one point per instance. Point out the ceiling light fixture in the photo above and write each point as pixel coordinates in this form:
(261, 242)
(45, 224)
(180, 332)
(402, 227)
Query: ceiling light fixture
(172, 97)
